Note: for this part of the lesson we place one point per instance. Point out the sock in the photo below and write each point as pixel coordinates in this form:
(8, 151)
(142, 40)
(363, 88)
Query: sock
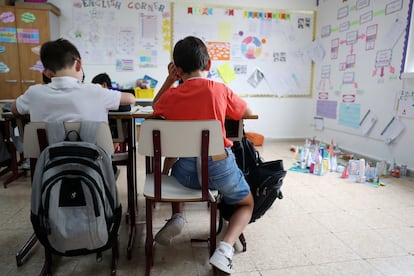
(226, 249)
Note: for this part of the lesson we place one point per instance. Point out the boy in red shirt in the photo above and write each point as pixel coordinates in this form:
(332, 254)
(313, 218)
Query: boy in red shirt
(199, 98)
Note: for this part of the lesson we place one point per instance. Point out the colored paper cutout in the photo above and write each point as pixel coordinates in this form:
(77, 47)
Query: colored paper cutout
(4, 68)
(124, 65)
(8, 35)
(255, 78)
(224, 31)
(326, 109)
(7, 17)
(392, 130)
(28, 17)
(218, 50)
(226, 72)
(349, 115)
(251, 47)
(36, 50)
(38, 67)
(28, 36)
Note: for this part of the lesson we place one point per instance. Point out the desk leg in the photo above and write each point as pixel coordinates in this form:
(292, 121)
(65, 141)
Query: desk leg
(132, 189)
(13, 167)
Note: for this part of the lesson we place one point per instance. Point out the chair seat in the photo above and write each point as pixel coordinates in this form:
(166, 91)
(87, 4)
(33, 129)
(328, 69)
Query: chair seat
(172, 190)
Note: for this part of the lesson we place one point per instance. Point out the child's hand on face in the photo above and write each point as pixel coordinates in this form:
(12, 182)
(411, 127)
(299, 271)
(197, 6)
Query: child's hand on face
(173, 72)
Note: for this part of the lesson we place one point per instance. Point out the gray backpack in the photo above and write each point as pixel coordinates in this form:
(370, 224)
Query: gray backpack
(75, 208)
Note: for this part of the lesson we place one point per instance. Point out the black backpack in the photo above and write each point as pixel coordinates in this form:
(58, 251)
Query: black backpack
(264, 178)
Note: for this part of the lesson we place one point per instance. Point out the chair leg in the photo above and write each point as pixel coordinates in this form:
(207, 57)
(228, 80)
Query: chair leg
(115, 257)
(213, 227)
(47, 265)
(25, 249)
(149, 243)
(243, 242)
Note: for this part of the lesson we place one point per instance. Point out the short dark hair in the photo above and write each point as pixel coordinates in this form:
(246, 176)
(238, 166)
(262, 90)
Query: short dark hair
(58, 54)
(190, 54)
(102, 78)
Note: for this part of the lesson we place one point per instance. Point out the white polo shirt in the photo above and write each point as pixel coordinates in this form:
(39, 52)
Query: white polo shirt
(66, 99)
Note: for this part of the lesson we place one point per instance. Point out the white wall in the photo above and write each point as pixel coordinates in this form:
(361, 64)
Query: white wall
(280, 118)
(160, 74)
(374, 92)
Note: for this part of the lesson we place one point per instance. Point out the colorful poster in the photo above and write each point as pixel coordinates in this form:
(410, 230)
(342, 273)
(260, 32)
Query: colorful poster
(268, 52)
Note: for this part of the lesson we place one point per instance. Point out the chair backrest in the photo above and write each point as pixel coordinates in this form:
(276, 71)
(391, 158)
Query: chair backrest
(180, 138)
(31, 147)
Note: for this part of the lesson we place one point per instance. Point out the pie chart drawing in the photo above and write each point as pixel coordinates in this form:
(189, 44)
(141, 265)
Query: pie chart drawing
(251, 47)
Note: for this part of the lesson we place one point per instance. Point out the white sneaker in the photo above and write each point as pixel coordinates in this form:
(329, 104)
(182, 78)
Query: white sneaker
(172, 228)
(25, 165)
(221, 261)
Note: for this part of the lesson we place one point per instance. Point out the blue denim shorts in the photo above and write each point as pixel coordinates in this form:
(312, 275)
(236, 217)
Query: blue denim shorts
(224, 176)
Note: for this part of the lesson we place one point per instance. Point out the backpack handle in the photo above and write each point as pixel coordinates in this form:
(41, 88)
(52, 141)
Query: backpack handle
(73, 136)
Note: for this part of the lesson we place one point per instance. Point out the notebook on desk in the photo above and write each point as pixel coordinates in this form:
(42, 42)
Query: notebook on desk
(145, 110)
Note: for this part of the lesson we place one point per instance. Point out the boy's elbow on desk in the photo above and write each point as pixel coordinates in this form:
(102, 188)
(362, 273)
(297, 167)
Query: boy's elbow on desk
(13, 109)
(127, 98)
(248, 112)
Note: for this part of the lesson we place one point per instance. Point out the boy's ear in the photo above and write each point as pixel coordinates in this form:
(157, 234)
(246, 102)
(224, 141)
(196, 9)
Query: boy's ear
(78, 65)
(208, 65)
(180, 72)
(48, 73)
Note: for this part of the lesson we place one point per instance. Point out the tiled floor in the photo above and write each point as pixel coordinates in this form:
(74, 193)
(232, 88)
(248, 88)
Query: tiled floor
(325, 225)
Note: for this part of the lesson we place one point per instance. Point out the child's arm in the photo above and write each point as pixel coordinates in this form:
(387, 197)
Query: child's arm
(171, 79)
(126, 98)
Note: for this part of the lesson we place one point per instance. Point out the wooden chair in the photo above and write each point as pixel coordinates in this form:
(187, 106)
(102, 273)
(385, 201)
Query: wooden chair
(165, 138)
(35, 141)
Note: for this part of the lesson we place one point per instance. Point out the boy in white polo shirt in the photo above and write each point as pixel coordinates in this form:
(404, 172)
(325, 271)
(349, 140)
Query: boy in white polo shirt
(66, 97)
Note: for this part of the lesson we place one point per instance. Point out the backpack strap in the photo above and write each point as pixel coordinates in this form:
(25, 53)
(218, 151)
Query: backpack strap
(89, 130)
(55, 132)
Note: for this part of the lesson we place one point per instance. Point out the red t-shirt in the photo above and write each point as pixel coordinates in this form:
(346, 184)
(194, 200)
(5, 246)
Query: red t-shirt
(201, 99)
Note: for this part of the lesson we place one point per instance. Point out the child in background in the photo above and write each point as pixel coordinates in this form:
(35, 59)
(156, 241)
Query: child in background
(105, 81)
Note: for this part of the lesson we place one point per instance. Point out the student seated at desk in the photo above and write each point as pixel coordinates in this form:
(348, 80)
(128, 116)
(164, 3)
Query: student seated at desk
(198, 98)
(66, 97)
(105, 81)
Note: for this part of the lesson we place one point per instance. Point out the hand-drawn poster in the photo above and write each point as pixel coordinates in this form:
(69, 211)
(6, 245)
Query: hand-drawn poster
(405, 103)
(364, 41)
(255, 52)
(124, 34)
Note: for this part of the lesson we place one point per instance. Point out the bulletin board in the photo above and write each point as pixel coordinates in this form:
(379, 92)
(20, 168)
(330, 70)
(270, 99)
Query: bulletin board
(125, 34)
(357, 83)
(255, 52)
